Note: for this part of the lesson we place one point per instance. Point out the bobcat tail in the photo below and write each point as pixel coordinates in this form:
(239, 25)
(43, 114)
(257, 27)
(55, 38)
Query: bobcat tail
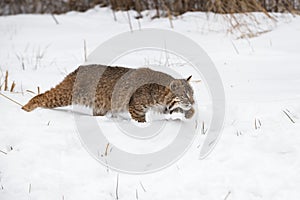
(59, 96)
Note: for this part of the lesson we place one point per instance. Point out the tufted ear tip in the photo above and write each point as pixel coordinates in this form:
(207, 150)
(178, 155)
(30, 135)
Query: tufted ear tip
(189, 78)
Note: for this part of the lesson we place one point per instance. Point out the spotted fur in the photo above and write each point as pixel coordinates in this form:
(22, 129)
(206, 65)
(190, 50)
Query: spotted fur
(108, 89)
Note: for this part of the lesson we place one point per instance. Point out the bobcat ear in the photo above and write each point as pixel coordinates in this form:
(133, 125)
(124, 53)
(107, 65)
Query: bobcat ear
(189, 78)
(174, 85)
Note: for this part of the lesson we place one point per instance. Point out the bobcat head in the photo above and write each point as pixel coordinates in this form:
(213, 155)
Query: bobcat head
(183, 93)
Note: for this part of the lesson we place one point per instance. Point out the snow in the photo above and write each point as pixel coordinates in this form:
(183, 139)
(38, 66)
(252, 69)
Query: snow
(44, 156)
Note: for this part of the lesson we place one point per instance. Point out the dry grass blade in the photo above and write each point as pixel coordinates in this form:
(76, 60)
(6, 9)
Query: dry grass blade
(106, 149)
(142, 186)
(3, 152)
(117, 188)
(257, 123)
(203, 130)
(136, 194)
(54, 18)
(11, 99)
(169, 14)
(251, 34)
(236, 50)
(114, 14)
(290, 118)
(13, 85)
(227, 195)
(30, 91)
(129, 21)
(139, 24)
(6, 81)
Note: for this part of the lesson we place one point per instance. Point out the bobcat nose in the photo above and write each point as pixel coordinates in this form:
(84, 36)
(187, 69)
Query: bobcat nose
(187, 106)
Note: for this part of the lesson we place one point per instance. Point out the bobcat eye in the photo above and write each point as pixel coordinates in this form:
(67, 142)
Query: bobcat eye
(176, 99)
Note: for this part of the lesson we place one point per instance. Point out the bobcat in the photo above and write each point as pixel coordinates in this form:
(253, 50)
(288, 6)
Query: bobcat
(108, 89)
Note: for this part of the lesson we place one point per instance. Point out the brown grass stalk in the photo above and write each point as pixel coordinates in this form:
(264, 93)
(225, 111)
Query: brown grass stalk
(6, 81)
(13, 85)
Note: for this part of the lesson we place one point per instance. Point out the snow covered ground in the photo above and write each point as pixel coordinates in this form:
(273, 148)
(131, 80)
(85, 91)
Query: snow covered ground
(257, 157)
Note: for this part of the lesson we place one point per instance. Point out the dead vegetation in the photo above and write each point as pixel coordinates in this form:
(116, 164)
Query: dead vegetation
(163, 7)
(257, 123)
(238, 14)
(178, 7)
(289, 115)
(5, 84)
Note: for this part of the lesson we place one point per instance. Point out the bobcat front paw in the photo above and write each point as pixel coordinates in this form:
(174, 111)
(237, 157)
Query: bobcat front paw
(141, 120)
(137, 115)
(189, 114)
(98, 112)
